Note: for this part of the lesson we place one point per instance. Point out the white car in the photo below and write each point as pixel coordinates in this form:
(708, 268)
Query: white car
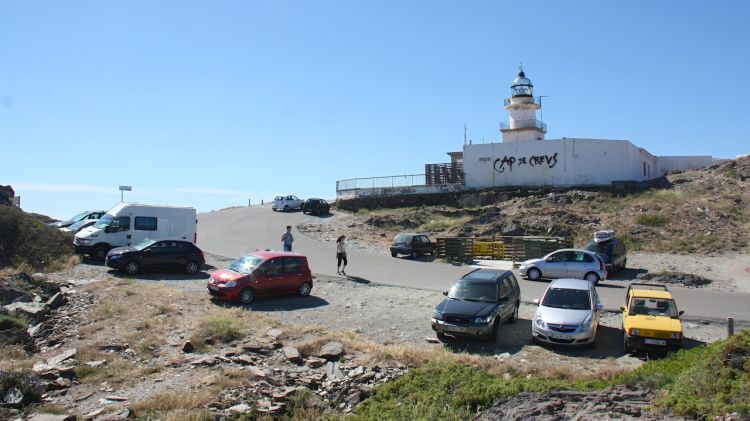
(568, 313)
(286, 203)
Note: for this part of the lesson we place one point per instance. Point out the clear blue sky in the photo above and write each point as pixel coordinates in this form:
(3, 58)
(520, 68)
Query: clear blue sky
(209, 103)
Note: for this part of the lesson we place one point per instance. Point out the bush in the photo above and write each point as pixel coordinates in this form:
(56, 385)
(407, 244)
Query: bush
(652, 220)
(25, 241)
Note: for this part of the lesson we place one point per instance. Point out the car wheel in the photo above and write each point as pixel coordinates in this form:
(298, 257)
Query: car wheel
(624, 264)
(534, 274)
(100, 253)
(304, 289)
(286, 208)
(274, 209)
(592, 277)
(514, 317)
(247, 295)
(493, 333)
(393, 254)
(625, 343)
(192, 268)
(132, 267)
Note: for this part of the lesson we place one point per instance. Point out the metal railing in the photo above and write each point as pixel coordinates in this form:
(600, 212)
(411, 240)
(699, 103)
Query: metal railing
(525, 124)
(535, 100)
(409, 180)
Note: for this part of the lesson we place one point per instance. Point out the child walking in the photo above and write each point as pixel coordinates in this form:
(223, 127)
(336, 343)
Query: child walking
(341, 255)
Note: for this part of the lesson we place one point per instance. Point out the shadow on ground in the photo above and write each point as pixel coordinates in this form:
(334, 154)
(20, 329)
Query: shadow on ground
(271, 304)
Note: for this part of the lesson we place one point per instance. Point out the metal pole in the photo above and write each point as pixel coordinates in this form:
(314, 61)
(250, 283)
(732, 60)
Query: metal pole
(120, 196)
(730, 327)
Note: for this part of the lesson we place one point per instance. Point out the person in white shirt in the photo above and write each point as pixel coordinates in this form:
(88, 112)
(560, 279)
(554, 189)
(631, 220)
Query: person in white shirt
(341, 255)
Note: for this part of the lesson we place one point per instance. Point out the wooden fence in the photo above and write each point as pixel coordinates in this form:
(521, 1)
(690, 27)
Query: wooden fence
(465, 249)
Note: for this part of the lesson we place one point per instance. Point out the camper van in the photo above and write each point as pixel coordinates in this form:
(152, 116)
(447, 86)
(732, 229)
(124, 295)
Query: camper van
(130, 223)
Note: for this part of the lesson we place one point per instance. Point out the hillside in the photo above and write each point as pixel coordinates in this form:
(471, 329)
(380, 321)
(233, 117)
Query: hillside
(702, 211)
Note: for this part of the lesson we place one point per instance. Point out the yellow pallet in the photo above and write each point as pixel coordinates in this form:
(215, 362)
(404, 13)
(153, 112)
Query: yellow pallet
(495, 249)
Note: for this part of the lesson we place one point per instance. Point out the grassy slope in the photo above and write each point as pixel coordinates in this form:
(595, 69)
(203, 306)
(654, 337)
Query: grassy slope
(704, 381)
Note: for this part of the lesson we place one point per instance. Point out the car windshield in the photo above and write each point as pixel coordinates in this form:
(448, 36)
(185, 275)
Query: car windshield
(573, 299)
(143, 244)
(246, 264)
(402, 238)
(653, 307)
(106, 220)
(78, 217)
(474, 291)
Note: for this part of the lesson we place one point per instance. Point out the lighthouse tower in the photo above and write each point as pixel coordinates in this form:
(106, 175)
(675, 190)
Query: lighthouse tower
(522, 106)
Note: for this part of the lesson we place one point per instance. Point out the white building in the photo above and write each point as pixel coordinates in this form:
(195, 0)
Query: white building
(525, 158)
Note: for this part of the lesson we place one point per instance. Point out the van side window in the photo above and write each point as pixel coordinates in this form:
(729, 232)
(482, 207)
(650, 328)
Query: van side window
(503, 288)
(121, 223)
(145, 223)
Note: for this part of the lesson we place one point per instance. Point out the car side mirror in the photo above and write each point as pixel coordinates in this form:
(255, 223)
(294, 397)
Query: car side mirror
(599, 306)
(445, 293)
(681, 312)
(107, 229)
(536, 301)
(622, 309)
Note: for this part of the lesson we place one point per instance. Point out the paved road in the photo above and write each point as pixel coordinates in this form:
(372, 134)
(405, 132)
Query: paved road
(236, 231)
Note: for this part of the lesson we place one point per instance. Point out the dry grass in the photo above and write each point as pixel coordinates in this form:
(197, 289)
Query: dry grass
(15, 358)
(176, 405)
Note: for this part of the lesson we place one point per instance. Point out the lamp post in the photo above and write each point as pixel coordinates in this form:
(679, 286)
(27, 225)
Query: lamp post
(124, 188)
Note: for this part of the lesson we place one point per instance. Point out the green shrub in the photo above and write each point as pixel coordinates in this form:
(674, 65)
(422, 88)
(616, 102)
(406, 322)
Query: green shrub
(9, 322)
(25, 241)
(652, 219)
(216, 327)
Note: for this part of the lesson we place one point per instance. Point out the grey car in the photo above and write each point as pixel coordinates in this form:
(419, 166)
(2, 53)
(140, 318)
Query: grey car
(568, 313)
(565, 263)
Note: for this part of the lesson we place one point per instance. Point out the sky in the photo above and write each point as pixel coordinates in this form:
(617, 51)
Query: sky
(214, 104)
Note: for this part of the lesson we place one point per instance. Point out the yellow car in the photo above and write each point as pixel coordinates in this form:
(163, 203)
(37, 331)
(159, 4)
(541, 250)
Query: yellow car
(650, 319)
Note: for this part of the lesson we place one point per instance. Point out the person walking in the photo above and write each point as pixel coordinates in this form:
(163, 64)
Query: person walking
(341, 255)
(287, 238)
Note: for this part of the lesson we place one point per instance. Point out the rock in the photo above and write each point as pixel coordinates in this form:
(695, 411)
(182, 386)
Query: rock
(315, 362)
(331, 350)
(241, 408)
(356, 372)
(13, 396)
(56, 300)
(333, 371)
(27, 309)
(207, 360)
(256, 372)
(188, 347)
(116, 398)
(274, 333)
(96, 364)
(54, 361)
(244, 359)
(113, 347)
(9, 295)
(59, 383)
(292, 354)
(93, 413)
(353, 398)
(51, 417)
(120, 415)
(33, 331)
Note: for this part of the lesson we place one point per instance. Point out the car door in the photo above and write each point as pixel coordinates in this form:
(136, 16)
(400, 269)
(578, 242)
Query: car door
(271, 275)
(578, 264)
(155, 256)
(293, 276)
(555, 265)
(504, 296)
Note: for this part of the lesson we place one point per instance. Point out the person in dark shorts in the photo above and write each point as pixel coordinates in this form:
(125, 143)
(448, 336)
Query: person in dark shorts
(287, 239)
(341, 255)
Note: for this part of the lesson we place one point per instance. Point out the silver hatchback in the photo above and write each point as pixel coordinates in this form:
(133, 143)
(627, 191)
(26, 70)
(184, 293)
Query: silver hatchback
(568, 313)
(565, 263)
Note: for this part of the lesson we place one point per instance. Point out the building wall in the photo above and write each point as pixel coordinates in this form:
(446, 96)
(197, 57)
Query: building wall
(666, 164)
(559, 162)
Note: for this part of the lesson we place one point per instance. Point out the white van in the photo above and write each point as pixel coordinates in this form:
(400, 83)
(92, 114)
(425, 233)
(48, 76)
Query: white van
(130, 223)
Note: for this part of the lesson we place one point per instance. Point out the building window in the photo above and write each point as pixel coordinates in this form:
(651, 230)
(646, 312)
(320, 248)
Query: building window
(145, 223)
(644, 169)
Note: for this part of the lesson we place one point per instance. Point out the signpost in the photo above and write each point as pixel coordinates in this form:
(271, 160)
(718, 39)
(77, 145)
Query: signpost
(124, 188)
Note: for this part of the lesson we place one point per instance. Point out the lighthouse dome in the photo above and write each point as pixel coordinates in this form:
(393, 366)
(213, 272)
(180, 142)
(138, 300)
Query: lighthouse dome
(521, 86)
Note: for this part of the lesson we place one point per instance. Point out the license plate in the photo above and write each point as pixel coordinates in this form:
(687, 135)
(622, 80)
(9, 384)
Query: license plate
(559, 336)
(456, 329)
(213, 288)
(656, 342)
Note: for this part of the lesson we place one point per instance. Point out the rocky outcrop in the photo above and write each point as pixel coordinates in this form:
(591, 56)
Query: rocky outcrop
(6, 195)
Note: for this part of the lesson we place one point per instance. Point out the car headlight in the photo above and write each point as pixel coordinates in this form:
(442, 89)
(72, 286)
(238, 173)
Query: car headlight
(635, 332)
(437, 315)
(484, 320)
(587, 322)
(231, 284)
(676, 335)
(114, 256)
(539, 322)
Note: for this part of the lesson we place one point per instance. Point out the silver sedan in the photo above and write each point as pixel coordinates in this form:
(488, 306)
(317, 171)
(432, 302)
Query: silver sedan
(568, 313)
(565, 263)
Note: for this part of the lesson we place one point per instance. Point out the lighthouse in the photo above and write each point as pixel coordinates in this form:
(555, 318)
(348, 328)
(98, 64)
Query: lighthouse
(522, 106)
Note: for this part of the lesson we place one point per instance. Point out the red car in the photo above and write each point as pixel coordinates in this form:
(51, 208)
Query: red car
(262, 273)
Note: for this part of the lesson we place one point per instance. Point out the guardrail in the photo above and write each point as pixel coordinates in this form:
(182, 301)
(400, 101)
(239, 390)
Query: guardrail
(409, 180)
(536, 100)
(524, 124)
(514, 248)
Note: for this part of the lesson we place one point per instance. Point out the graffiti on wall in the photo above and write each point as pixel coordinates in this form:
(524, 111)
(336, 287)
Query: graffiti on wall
(507, 162)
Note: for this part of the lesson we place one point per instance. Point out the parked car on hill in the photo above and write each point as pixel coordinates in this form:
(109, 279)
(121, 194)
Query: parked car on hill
(650, 319)
(315, 206)
(412, 244)
(568, 313)
(478, 304)
(565, 263)
(609, 249)
(286, 203)
(262, 273)
(83, 215)
(163, 254)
